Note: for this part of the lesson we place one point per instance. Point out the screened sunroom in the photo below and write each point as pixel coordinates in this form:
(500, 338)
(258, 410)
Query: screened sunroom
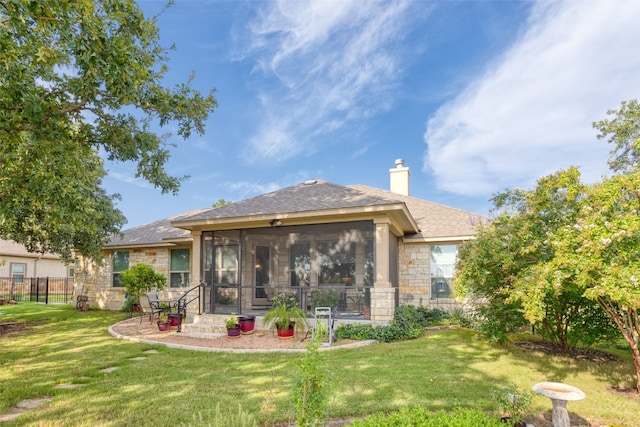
(321, 265)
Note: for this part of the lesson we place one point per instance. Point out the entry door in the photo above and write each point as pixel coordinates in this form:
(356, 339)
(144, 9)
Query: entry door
(262, 274)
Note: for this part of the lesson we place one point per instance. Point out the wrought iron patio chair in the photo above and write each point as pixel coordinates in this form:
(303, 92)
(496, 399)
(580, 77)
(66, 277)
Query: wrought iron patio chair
(149, 305)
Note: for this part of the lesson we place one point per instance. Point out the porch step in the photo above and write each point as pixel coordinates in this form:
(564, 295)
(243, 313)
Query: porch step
(206, 324)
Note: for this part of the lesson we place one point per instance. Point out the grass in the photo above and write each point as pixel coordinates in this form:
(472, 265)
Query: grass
(443, 370)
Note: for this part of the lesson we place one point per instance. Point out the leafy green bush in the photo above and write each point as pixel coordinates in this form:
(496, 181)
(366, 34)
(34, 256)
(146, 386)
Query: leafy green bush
(139, 279)
(418, 316)
(408, 322)
(420, 417)
(355, 332)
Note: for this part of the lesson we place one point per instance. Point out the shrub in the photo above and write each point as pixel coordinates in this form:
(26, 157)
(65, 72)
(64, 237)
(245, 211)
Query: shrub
(139, 279)
(408, 322)
(418, 316)
(420, 417)
(355, 332)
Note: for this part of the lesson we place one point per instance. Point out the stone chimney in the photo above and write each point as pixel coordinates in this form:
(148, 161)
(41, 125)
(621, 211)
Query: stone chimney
(399, 177)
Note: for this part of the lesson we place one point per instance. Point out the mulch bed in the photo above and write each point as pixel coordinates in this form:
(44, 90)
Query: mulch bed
(587, 354)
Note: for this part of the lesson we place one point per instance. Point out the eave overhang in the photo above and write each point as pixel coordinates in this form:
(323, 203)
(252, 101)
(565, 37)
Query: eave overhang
(397, 213)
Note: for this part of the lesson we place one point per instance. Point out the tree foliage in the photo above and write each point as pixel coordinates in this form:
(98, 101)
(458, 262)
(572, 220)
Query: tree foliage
(584, 242)
(600, 254)
(81, 80)
(221, 202)
(623, 131)
(498, 264)
(139, 279)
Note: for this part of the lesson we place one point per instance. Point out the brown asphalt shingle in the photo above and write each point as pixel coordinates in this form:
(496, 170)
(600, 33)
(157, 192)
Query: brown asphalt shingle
(434, 220)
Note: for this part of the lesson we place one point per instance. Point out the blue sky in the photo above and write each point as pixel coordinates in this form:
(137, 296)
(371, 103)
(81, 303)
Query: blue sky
(476, 96)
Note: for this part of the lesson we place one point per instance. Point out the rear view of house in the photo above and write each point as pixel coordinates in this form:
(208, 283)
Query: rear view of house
(358, 249)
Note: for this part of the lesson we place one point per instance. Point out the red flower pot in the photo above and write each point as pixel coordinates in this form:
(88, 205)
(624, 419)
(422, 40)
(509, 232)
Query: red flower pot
(163, 326)
(175, 319)
(285, 334)
(247, 324)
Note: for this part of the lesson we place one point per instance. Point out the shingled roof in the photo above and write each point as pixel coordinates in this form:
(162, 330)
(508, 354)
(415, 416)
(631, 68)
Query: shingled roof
(434, 221)
(154, 233)
(11, 248)
(315, 195)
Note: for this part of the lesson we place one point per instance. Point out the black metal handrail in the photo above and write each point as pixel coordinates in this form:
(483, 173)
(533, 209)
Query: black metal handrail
(186, 299)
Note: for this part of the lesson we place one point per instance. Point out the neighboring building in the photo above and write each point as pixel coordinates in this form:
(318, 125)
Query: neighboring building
(352, 247)
(33, 276)
(17, 263)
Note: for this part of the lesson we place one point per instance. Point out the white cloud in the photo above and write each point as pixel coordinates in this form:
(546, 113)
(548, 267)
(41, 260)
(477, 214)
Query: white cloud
(129, 179)
(530, 114)
(329, 63)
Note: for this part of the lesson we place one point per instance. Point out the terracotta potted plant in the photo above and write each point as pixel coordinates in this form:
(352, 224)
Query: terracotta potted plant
(285, 316)
(233, 327)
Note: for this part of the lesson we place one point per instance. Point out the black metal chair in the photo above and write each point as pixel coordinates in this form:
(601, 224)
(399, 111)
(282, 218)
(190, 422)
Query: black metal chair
(150, 305)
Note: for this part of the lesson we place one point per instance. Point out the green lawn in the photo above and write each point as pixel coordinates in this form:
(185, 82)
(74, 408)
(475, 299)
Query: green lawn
(442, 370)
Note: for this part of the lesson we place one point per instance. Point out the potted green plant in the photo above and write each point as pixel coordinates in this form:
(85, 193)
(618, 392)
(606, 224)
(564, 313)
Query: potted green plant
(139, 279)
(513, 404)
(233, 327)
(285, 316)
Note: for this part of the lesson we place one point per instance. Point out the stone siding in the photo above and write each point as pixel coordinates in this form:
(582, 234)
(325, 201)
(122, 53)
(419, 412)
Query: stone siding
(414, 274)
(98, 284)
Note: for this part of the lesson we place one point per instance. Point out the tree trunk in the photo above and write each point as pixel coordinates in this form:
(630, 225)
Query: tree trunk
(626, 323)
(636, 363)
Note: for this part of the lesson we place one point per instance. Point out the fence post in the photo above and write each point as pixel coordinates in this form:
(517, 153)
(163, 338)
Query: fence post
(46, 287)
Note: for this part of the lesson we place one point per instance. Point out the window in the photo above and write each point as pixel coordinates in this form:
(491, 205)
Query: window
(18, 272)
(71, 272)
(226, 264)
(263, 270)
(120, 264)
(179, 268)
(299, 264)
(337, 263)
(443, 263)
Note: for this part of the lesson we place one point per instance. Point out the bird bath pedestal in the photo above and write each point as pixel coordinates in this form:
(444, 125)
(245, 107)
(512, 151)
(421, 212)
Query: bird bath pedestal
(559, 394)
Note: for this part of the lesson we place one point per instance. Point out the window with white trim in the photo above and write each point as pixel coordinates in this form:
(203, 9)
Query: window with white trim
(179, 268)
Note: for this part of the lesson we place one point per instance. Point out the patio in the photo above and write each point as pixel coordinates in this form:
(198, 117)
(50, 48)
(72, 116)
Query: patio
(261, 341)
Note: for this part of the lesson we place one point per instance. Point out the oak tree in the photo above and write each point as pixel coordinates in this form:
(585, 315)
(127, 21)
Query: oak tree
(81, 81)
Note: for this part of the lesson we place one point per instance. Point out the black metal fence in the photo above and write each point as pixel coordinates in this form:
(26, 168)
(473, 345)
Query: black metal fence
(48, 290)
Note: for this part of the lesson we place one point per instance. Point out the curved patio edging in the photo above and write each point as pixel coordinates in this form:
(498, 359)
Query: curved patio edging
(118, 335)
